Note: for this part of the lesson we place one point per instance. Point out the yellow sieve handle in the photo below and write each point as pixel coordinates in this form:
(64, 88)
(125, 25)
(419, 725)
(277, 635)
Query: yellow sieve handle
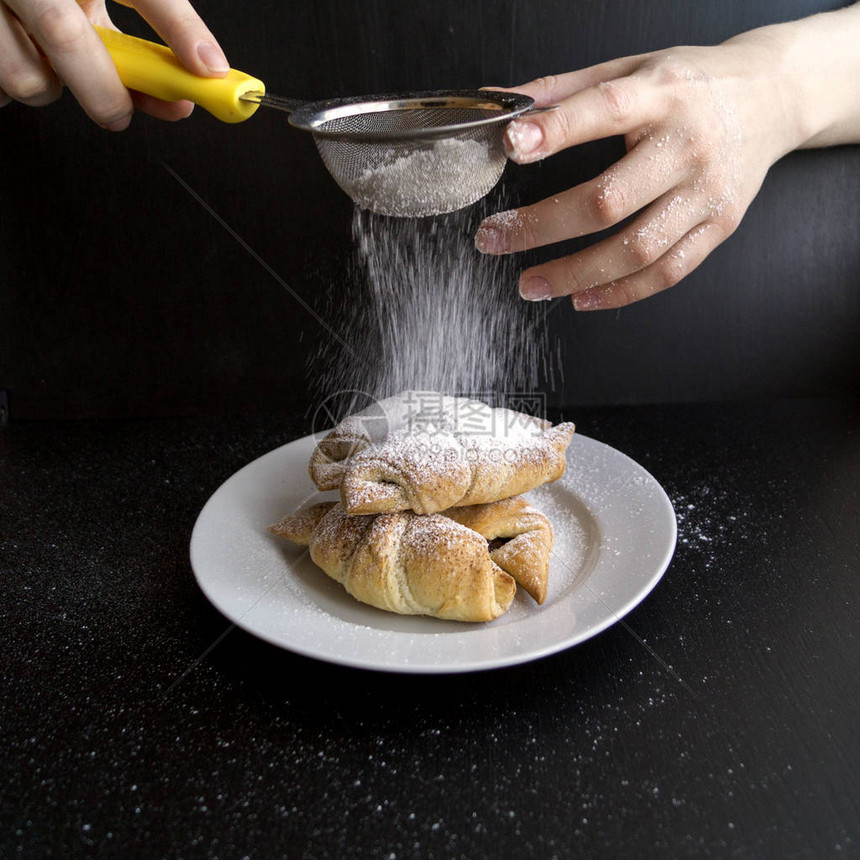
(154, 69)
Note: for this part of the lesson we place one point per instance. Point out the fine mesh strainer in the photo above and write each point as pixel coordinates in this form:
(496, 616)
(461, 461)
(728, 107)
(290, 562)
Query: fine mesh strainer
(410, 155)
(405, 155)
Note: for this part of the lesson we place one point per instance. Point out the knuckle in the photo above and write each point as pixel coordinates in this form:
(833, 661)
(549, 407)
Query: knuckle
(60, 29)
(695, 148)
(546, 84)
(633, 138)
(609, 203)
(670, 269)
(729, 224)
(27, 86)
(109, 112)
(674, 74)
(704, 238)
(642, 250)
(616, 100)
(703, 143)
(671, 73)
(725, 215)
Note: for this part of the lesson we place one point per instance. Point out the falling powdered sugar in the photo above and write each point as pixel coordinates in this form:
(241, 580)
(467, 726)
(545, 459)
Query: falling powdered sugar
(427, 312)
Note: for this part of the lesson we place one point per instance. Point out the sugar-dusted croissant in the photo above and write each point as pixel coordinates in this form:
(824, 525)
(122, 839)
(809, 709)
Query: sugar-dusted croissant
(438, 454)
(404, 563)
(520, 539)
(429, 565)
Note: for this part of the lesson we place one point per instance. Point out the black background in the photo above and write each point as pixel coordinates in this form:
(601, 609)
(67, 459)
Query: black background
(121, 295)
(719, 720)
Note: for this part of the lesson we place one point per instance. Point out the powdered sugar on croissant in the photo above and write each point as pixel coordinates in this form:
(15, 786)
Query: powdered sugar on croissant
(426, 452)
(519, 537)
(462, 565)
(412, 565)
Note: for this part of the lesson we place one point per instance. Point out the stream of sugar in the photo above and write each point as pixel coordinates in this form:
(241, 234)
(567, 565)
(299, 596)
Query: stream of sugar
(426, 311)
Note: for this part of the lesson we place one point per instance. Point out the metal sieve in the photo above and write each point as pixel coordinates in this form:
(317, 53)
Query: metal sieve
(410, 155)
(406, 155)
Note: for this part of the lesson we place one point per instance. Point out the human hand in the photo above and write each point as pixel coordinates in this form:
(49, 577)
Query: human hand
(46, 44)
(701, 125)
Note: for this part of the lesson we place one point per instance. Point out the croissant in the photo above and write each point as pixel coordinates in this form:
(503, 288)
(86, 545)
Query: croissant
(519, 537)
(457, 452)
(429, 565)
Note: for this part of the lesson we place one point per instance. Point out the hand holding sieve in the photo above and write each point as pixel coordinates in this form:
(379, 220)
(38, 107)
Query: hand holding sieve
(405, 155)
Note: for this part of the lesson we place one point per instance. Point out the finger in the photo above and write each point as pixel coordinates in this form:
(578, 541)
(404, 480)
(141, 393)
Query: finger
(644, 174)
(608, 108)
(78, 56)
(96, 12)
(169, 111)
(551, 89)
(639, 245)
(143, 102)
(672, 267)
(634, 248)
(24, 75)
(183, 29)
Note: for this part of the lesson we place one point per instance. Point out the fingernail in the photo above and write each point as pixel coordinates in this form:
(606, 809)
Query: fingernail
(188, 109)
(534, 288)
(117, 124)
(522, 139)
(213, 58)
(588, 300)
(489, 240)
(493, 236)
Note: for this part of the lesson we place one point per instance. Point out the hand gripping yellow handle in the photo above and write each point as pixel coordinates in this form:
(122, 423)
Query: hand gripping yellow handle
(154, 69)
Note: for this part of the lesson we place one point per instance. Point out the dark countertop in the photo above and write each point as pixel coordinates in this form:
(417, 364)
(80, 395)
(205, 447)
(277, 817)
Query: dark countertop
(132, 725)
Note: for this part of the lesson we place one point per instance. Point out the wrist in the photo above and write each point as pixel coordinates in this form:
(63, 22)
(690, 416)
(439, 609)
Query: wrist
(814, 66)
(772, 72)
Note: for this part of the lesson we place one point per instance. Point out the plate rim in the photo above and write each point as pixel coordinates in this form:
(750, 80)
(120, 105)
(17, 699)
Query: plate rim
(349, 660)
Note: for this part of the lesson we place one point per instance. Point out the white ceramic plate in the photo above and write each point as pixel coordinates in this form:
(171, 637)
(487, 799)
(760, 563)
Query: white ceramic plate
(615, 533)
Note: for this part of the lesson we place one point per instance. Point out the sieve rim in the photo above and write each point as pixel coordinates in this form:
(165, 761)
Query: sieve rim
(311, 115)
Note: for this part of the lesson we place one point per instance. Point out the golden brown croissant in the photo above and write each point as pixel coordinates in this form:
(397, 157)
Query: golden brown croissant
(429, 565)
(520, 539)
(452, 452)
